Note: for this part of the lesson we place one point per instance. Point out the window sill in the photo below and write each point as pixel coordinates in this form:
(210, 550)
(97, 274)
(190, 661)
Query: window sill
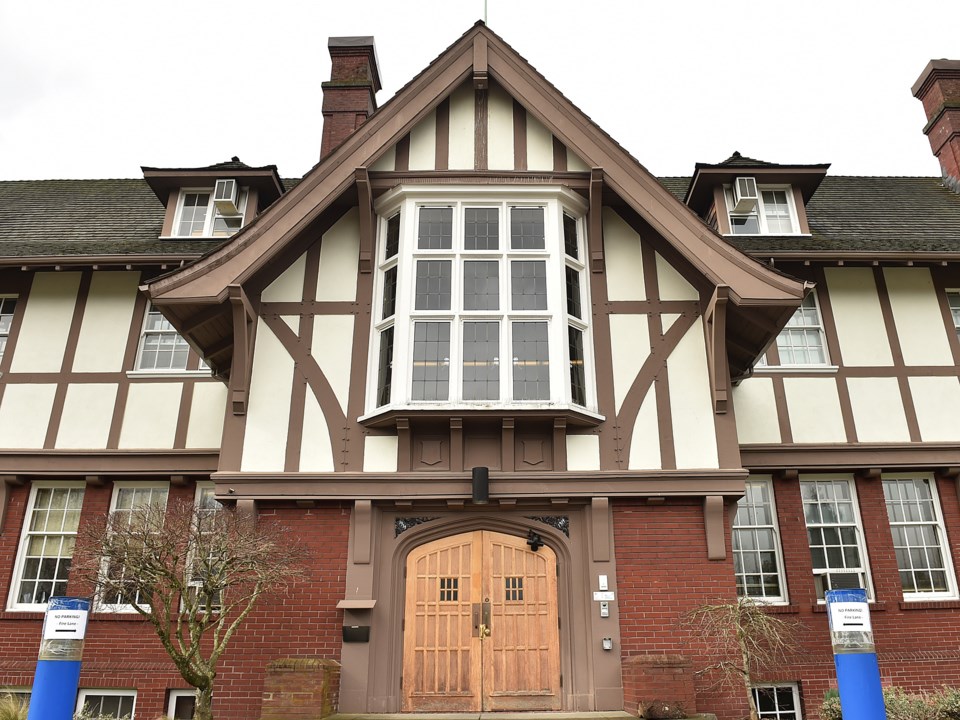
(760, 235)
(821, 607)
(168, 374)
(195, 237)
(387, 416)
(14, 614)
(787, 369)
(780, 609)
(945, 604)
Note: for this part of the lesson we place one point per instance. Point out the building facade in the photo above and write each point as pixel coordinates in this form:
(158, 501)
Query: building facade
(523, 404)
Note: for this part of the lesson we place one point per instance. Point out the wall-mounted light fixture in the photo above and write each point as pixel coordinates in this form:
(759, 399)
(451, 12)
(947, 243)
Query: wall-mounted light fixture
(481, 485)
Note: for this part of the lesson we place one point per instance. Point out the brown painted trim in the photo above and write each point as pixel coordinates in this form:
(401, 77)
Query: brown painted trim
(865, 371)
(14, 284)
(668, 456)
(382, 181)
(652, 306)
(311, 307)
(723, 215)
(559, 155)
(401, 161)
(519, 136)
(69, 353)
(456, 444)
(368, 222)
(801, 210)
(941, 281)
(354, 434)
(715, 527)
(442, 161)
(900, 456)
(362, 517)
(404, 445)
(559, 444)
(600, 528)
(508, 445)
(37, 262)
(109, 462)
(444, 486)
(129, 362)
(481, 129)
(896, 350)
(783, 412)
(833, 348)
(183, 417)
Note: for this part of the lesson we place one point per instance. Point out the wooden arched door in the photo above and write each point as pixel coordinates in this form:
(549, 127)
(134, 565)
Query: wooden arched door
(480, 626)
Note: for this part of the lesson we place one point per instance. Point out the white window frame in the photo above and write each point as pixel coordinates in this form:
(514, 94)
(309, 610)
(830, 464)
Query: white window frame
(119, 486)
(759, 211)
(939, 528)
(175, 695)
(212, 212)
(953, 301)
(408, 201)
(795, 714)
(810, 302)
(106, 692)
(12, 601)
(857, 524)
(204, 487)
(774, 526)
(5, 333)
(189, 370)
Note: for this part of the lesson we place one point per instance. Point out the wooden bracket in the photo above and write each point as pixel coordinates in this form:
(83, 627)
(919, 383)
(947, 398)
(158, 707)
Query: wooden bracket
(715, 527)
(950, 473)
(243, 336)
(368, 224)
(595, 231)
(94, 480)
(788, 474)
(559, 444)
(868, 473)
(481, 73)
(716, 327)
(179, 480)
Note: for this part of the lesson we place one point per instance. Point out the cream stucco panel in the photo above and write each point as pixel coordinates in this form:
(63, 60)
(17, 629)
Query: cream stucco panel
(205, 428)
(916, 313)
(87, 415)
(289, 286)
(316, 453)
(667, 320)
(645, 444)
(387, 161)
(814, 408)
(339, 254)
(333, 351)
(46, 322)
(673, 286)
(462, 114)
(106, 322)
(756, 409)
(423, 144)
(878, 410)
(857, 317)
(936, 400)
(539, 145)
(25, 415)
(380, 453)
(499, 129)
(574, 163)
(268, 413)
(150, 417)
(583, 453)
(292, 322)
(630, 347)
(622, 258)
(694, 431)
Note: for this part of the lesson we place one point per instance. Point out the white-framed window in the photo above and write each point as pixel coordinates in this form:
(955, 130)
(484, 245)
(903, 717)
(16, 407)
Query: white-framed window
(757, 557)
(181, 704)
(46, 544)
(834, 535)
(128, 498)
(205, 503)
(8, 303)
(919, 538)
(161, 347)
(777, 702)
(953, 298)
(774, 212)
(482, 300)
(802, 342)
(199, 216)
(99, 703)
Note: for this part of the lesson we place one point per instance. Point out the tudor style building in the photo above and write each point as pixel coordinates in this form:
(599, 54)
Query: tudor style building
(523, 403)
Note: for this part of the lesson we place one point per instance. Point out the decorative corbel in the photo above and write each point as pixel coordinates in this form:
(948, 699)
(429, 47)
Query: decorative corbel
(368, 225)
(7, 482)
(715, 526)
(243, 334)
(868, 473)
(95, 480)
(481, 75)
(595, 232)
(716, 325)
(788, 474)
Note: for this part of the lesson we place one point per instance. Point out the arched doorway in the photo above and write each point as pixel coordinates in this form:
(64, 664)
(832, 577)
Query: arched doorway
(480, 625)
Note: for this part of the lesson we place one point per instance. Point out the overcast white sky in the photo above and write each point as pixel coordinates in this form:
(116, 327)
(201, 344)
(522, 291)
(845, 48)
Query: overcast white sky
(97, 88)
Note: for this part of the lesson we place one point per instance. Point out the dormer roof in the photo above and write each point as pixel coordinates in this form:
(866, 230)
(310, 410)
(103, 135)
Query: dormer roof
(266, 179)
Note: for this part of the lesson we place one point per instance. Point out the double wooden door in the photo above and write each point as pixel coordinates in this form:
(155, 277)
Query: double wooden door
(480, 626)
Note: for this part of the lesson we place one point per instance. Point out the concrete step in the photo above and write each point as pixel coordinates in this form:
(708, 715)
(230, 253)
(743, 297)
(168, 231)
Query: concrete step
(608, 715)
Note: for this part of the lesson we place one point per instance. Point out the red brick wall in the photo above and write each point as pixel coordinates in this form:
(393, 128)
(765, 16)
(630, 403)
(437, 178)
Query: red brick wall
(122, 651)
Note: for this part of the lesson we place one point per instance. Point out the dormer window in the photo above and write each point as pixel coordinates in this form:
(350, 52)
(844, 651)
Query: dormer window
(772, 212)
(210, 212)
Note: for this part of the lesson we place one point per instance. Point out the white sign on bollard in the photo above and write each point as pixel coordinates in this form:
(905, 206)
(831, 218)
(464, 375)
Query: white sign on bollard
(850, 617)
(65, 625)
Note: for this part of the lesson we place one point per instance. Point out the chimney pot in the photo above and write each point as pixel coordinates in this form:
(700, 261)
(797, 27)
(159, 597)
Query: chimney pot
(349, 97)
(938, 88)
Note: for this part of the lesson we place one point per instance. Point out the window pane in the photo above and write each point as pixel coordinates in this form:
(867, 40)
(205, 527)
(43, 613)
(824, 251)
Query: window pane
(126, 502)
(527, 228)
(954, 299)
(193, 214)
(531, 361)
(48, 547)
(392, 243)
(745, 224)
(578, 384)
(801, 342)
(481, 228)
(528, 283)
(385, 373)
(481, 361)
(570, 244)
(481, 285)
(573, 293)
(755, 543)
(433, 285)
(389, 293)
(776, 211)
(917, 535)
(224, 226)
(436, 229)
(161, 347)
(834, 536)
(431, 361)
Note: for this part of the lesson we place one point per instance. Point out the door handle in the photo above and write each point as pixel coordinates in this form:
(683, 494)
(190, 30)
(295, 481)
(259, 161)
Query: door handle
(484, 631)
(485, 623)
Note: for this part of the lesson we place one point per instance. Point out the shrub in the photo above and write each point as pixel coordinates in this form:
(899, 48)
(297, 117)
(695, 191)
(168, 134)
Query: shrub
(900, 705)
(12, 707)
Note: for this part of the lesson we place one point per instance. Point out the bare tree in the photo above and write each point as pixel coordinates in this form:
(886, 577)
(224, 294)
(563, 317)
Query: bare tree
(741, 638)
(194, 572)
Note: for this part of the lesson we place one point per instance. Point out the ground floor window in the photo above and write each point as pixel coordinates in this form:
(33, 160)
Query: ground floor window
(106, 703)
(777, 702)
(182, 704)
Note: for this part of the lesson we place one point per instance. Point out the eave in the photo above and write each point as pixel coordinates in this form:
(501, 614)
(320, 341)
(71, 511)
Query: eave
(707, 177)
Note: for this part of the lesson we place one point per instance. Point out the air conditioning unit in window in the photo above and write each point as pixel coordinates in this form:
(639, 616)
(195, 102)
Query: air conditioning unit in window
(225, 194)
(745, 196)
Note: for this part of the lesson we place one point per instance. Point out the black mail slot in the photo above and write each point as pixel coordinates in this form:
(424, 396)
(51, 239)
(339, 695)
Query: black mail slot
(356, 633)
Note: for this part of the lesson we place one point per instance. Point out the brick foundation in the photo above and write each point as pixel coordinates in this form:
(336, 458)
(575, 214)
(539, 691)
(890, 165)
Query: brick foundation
(300, 689)
(647, 678)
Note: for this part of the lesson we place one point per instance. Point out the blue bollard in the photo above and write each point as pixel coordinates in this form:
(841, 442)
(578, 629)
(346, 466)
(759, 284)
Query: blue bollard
(855, 656)
(57, 678)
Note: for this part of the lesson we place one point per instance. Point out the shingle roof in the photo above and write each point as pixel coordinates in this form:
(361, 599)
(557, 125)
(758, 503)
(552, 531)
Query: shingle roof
(738, 160)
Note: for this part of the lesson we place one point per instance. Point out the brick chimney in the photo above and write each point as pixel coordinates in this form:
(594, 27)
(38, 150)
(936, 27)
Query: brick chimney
(938, 88)
(349, 97)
